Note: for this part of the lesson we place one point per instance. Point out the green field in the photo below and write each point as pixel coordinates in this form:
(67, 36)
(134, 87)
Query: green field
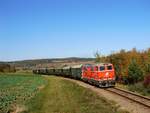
(16, 89)
(25, 93)
(62, 96)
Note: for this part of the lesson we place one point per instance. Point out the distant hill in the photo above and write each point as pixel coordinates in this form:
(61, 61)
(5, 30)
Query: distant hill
(55, 62)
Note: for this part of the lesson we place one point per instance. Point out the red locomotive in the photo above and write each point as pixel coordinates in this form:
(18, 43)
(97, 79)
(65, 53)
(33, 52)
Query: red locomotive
(102, 75)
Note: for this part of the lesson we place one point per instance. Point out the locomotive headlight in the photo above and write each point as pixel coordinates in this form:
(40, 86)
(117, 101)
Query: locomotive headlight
(107, 74)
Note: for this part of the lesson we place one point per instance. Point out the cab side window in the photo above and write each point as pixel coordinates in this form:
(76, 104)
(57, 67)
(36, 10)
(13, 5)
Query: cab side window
(89, 68)
(95, 68)
(83, 68)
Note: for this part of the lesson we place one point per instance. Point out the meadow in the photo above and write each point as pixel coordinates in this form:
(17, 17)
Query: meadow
(28, 93)
(63, 96)
(16, 89)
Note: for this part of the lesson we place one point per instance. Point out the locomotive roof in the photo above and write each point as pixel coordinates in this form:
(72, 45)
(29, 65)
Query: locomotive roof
(102, 64)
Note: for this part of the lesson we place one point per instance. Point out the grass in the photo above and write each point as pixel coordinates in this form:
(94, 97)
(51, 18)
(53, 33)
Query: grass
(17, 89)
(62, 96)
(138, 88)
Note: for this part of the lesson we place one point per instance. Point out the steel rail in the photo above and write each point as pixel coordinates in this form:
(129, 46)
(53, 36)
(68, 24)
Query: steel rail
(129, 95)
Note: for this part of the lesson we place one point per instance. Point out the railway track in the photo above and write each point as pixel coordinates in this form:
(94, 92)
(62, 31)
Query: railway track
(145, 101)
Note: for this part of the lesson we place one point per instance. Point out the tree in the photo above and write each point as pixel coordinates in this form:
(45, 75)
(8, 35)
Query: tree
(147, 62)
(7, 68)
(97, 56)
(100, 58)
(135, 72)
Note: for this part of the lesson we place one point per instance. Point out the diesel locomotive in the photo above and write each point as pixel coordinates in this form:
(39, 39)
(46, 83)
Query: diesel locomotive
(102, 75)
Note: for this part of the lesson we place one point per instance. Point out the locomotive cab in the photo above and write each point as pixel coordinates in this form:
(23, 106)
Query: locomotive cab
(106, 75)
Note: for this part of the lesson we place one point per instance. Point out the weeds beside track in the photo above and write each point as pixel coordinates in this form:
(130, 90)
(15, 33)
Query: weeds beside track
(145, 101)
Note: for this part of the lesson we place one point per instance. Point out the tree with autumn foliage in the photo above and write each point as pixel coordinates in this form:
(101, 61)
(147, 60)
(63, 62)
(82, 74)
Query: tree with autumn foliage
(123, 59)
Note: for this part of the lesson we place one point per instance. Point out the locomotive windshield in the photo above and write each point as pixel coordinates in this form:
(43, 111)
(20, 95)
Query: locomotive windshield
(102, 68)
(109, 67)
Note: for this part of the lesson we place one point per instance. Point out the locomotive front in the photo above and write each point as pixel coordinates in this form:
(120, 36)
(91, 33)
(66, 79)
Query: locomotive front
(102, 75)
(106, 75)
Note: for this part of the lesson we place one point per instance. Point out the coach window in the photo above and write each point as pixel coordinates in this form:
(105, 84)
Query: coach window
(109, 67)
(88, 68)
(102, 68)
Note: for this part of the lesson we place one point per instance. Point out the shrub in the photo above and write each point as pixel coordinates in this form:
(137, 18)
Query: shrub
(125, 80)
(135, 72)
(146, 82)
(139, 87)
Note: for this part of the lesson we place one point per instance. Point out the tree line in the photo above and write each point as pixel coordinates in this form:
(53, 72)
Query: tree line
(130, 66)
(5, 68)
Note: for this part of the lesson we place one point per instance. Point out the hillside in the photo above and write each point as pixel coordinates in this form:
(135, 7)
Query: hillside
(55, 62)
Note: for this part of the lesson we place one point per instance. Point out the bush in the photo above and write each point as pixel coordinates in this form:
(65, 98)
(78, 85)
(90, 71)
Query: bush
(139, 87)
(147, 81)
(125, 80)
(135, 72)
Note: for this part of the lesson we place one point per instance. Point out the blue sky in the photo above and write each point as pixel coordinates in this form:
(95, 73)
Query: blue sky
(31, 29)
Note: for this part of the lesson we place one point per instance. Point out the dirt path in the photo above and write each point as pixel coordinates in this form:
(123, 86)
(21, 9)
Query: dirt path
(124, 103)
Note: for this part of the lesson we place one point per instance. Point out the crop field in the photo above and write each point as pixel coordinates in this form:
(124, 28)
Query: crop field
(16, 89)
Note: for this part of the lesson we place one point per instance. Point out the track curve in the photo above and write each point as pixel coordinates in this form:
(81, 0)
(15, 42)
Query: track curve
(145, 101)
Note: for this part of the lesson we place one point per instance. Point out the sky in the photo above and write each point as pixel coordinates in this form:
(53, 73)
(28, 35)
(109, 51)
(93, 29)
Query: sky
(36, 29)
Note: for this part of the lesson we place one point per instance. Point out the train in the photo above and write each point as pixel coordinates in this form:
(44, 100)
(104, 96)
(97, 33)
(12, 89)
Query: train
(101, 75)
